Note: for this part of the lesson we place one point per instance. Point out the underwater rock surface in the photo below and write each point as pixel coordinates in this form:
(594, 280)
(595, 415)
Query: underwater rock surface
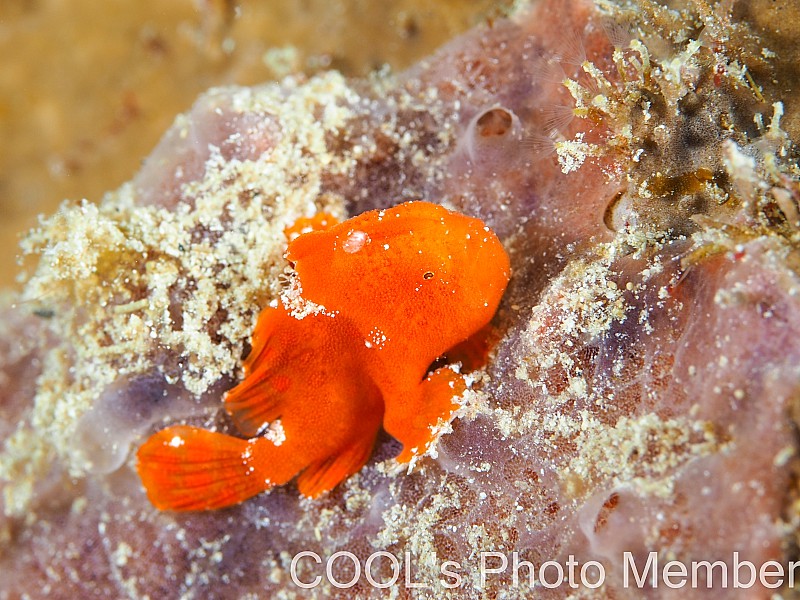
(637, 162)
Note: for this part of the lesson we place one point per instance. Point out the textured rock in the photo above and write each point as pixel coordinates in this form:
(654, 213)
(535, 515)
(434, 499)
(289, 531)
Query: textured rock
(642, 396)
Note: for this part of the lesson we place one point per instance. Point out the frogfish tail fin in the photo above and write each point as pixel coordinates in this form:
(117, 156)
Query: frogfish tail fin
(186, 468)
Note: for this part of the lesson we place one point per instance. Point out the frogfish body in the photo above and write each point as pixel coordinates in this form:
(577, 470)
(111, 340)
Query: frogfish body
(374, 301)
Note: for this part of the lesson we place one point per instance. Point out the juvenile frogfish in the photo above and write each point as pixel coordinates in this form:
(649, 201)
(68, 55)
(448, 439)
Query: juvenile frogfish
(374, 301)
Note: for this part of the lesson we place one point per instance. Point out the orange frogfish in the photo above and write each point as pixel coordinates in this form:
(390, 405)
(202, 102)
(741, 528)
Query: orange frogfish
(374, 301)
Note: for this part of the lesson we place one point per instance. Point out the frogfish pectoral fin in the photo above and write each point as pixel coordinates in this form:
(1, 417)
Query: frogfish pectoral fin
(253, 402)
(186, 468)
(473, 352)
(273, 371)
(414, 422)
(324, 475)
(283, 365)
(260, 396)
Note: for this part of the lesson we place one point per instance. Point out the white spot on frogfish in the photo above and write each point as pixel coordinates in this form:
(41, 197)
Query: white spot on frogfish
(276, 433)
(355, 241)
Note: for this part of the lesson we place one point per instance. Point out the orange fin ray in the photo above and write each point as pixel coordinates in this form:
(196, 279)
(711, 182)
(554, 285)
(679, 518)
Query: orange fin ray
(319, 222)
(186, 468)
(324, 475)
(271, 381)
(259, 342)
(251, 404)
(283, 367)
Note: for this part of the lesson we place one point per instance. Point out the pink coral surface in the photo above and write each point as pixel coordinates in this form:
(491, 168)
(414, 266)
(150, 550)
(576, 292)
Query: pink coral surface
(642, 395)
